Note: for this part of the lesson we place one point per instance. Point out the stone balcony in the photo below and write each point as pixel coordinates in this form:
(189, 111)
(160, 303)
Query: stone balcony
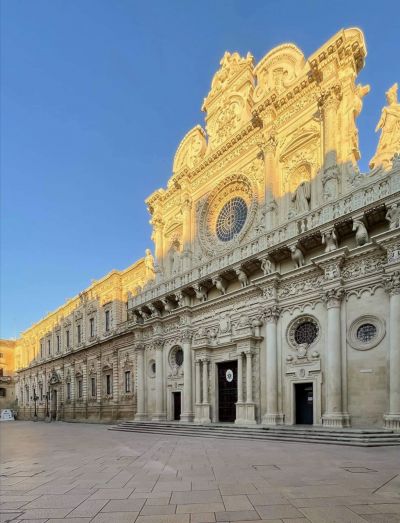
(369, 198)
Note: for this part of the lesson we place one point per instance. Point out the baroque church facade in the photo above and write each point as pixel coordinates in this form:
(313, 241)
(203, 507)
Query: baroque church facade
(273, 296)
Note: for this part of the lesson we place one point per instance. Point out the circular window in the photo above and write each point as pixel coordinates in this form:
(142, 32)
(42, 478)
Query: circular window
(231, 219)
(176, 357)
(306, 332)
(179, 357)
(366, 332)
(152, 369)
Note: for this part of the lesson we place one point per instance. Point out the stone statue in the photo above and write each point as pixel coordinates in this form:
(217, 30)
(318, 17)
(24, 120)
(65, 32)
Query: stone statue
(393, 216)
(329, 239)
(301, 197)
(242, 277)
(149, 265)
(220, 284)
(330, 181)
(389, 142)
(224, 323)
(267, 266)
(200, 291)
(361, 233)
(297, 256)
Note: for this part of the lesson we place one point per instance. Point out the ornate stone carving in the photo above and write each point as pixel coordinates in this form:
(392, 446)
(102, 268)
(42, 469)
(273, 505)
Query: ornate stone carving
(220, 284)
(224, 324)
(389, 142)
(333, 297)
(271, 314)
(329, 239)
(392, 283)
(362, 236)
(297, 255)
(200, 291)
(267, 265)
(393, 216)
(191, 150)
(242, 277)
(330, 182)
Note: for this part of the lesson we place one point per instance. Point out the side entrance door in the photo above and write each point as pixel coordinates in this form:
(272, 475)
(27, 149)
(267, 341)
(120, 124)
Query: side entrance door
(304, 403)
(177, 405)
(227, 390)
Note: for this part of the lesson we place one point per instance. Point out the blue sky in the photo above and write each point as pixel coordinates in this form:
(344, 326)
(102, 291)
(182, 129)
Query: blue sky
(96, 96)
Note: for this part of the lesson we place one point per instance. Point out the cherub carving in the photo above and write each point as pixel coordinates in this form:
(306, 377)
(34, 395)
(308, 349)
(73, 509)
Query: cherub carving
(149, 264)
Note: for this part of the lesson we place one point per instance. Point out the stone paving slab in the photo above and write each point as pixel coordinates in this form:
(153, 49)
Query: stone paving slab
(81, 473)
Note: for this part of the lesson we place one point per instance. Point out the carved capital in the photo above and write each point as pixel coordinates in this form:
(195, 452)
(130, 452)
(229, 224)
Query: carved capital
(139, 347)
(271, 314)
(333, 297)
(330, 98)
(158, 344)
(392, 283)
(186, 336)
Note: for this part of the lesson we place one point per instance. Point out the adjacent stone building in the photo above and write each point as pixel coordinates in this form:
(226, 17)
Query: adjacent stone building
(274, 293)
(7, 374)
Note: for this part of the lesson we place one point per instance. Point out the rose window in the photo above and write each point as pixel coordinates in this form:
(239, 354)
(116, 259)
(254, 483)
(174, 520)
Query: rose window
(306, 332)
(231, 219)
(366, 332)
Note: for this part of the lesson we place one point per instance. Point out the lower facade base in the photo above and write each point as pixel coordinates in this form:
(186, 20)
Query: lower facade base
(272, 419)
(392, 421)
(245, 414)
(202, 413)
(338, 420)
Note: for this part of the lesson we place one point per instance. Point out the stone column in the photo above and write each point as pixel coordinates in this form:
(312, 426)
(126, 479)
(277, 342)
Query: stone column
(329, 104)
(205, 382)
(187, 414)
(187, 228)
(240, 378)
(198, 382)
(392, 418)
(249, 378)
(158, 227)
(272, 416)
(160, 411)
(270, 183)
(140, 384)
(334, 416)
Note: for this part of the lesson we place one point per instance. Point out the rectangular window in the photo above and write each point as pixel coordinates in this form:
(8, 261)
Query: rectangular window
(91, 323)
(127, 381)
(2, 392)
(108, 384)
(41, 392)
(93, 387)
(41, 349)
(48, 347)
(67, 338)
(68, 390)
(79, 333)
(1, 372)
(107, 321)
(58, 343)
(80, 388)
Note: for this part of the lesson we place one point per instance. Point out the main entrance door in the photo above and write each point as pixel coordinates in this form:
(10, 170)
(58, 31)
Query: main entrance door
(177, 405)
(227, 390)
(304, 403)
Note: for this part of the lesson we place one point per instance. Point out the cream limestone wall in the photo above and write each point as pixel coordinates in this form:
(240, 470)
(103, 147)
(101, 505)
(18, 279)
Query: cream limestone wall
(275, 259)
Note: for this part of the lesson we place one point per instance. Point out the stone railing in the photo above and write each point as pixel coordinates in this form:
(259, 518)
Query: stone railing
(368, 190)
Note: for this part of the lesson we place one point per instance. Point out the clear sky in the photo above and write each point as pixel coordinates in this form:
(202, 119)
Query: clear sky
(96, 96)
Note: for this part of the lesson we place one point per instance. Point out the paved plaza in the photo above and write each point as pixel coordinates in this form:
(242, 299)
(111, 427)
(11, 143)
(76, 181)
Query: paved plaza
(81, 472)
